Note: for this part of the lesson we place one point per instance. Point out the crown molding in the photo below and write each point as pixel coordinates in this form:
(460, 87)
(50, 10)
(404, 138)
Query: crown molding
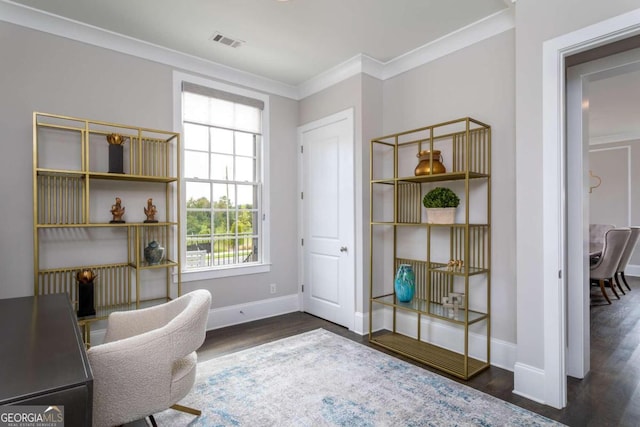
(480, 30)
(53, 24)
(358, 64)
(615, 137)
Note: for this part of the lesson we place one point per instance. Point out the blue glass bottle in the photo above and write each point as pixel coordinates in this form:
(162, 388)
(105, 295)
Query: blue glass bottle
(405, 283)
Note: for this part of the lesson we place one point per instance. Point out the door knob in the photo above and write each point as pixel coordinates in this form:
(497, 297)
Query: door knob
(343, 249)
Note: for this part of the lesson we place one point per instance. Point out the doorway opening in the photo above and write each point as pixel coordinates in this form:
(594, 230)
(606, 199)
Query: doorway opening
(595, 91)
(555, 247)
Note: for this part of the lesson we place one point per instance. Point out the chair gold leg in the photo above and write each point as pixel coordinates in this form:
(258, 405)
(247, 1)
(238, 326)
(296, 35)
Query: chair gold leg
(613, 287)
(187, 409)
(603, 291)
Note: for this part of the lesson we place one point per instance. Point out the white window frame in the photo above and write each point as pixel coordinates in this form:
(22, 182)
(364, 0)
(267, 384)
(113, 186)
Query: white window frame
(228, 270)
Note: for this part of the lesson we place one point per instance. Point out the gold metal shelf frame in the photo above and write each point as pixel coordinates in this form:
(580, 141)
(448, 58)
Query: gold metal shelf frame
(467, 144)
(68, 157)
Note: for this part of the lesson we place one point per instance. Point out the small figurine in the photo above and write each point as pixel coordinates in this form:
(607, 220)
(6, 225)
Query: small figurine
(455, 264)
(117, 211)
(150, 211)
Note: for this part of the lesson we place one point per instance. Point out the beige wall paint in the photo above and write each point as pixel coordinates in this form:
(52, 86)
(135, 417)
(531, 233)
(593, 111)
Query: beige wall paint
(536, 22)
(52, 74)
(478, 81)
(609, 202)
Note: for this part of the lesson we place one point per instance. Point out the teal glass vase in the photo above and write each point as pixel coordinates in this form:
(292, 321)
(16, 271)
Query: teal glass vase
(405, 283)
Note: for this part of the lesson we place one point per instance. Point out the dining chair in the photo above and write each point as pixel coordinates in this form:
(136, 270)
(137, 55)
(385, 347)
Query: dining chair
(596, 236)
(626, 256)
(605, 268)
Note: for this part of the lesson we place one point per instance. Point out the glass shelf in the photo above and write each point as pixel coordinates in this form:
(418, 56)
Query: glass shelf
(447, 176)
(432, 309)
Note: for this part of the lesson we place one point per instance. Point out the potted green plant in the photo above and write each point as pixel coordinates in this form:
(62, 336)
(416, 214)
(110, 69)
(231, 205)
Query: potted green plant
(441, 204)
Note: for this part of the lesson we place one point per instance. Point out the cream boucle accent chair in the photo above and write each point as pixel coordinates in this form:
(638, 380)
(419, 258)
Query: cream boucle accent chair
(148, 360)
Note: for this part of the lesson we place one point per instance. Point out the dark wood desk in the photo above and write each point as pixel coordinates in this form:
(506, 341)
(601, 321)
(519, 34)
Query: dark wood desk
(42, 357)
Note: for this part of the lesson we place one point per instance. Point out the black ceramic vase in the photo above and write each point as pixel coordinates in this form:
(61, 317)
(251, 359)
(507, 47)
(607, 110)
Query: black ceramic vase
(85, 299)
(115, 158)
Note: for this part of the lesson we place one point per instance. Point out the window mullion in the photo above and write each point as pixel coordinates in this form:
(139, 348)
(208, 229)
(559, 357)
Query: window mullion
(227, 245)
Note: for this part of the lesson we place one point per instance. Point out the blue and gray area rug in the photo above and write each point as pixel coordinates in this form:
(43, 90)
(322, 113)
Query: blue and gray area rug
(321, 379)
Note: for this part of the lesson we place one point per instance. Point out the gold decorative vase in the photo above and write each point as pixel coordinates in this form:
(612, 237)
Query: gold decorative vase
(424, 167)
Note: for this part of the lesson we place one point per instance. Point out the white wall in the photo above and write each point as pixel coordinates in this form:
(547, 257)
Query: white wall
(477, 81)
(51, 74)
(536, 22)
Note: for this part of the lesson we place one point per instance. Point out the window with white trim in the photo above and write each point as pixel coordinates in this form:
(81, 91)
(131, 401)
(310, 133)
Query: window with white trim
(223, 146)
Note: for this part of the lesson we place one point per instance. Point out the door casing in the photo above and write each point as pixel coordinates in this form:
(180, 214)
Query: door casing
(347, 115)
(554, 54)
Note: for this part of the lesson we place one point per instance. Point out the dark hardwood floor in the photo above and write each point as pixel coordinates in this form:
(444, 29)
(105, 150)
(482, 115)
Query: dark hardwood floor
(608, 396)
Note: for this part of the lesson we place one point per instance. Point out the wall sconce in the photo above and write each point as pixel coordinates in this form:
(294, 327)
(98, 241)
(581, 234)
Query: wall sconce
(591, 187)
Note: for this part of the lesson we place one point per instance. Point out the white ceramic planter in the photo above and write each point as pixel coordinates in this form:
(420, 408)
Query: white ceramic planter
(441, 215)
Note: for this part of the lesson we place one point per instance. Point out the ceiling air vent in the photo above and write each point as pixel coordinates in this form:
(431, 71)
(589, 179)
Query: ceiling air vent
(226, 40)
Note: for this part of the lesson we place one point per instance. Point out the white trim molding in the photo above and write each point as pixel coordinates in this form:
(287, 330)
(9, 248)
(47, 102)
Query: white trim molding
(554, 52)
(528, 381)
(615, 137)
(632, 270)
(236, 314)
(482, 29)
(248, 312)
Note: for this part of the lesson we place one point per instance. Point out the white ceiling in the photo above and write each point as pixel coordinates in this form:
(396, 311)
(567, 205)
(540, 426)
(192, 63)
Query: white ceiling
(286, 41)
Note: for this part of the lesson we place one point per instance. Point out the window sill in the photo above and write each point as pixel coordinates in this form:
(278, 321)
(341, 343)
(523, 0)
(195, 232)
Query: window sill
(195, 275)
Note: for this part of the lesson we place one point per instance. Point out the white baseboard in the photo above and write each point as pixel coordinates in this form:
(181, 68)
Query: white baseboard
(360, 323)
(256, 310)
(97, 336)
(529, 382)
(632, 270)
(503, 353)
(235, 314)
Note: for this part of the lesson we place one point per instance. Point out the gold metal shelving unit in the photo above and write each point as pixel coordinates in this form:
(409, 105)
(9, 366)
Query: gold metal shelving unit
(423, 329)
(72, 192)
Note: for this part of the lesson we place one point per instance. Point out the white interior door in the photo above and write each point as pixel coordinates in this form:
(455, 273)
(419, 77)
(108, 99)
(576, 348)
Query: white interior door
(328, 216)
